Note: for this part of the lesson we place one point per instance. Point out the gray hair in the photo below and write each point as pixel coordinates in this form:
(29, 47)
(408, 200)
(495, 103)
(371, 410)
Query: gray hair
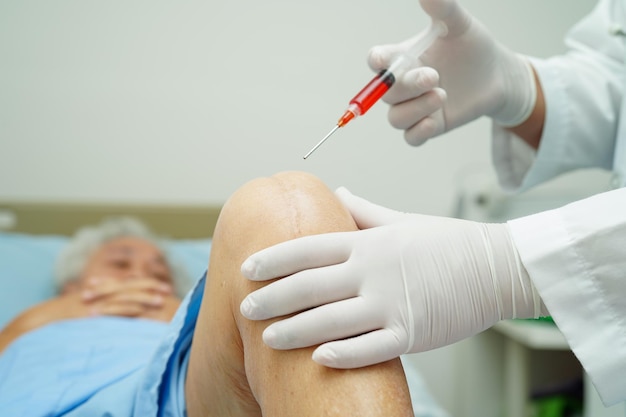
(74, 256)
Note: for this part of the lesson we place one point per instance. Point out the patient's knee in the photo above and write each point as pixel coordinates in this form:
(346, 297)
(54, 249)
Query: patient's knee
(290, 204)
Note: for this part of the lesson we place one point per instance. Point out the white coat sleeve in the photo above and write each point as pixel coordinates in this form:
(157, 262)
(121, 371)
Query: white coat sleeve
(583, 91)
(576, 258)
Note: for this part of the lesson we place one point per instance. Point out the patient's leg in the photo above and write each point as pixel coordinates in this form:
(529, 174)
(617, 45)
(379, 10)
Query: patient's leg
(231, 372)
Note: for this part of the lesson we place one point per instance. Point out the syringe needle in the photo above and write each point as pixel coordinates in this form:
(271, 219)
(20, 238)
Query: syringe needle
(321, 141)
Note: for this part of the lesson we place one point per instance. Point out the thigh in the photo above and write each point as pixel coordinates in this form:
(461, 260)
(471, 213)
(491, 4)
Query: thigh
(231, 371)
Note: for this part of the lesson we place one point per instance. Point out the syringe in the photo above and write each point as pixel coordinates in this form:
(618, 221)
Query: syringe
(383, 81)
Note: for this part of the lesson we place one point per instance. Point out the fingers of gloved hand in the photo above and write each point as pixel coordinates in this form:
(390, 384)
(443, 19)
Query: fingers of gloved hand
(365, 213)
(306, 289)
(364, 350)
(295, 255)
(413, 83)
(333, 321)
(425, 129)
(408, 113)
(421, 118)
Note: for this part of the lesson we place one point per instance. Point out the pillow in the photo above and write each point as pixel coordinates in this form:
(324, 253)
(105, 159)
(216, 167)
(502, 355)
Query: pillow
(27, 267)
(193, 254)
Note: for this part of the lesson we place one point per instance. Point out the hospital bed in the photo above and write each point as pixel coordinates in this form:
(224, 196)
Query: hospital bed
(33, 233)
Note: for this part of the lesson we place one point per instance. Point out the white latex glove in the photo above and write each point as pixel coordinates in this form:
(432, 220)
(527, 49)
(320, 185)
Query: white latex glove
(462, 76)
(404, 284)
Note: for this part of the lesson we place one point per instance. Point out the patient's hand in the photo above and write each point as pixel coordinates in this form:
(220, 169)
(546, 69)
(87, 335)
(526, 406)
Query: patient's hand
(133, 297)
(137, 297)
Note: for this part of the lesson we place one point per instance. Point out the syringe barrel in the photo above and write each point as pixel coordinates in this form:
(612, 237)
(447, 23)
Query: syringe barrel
(373, 91)
(383, 81)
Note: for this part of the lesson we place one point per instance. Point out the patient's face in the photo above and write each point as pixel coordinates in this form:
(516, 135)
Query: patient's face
(127, 258)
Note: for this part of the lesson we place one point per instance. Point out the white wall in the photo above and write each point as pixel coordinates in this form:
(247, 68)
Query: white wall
(183, 101)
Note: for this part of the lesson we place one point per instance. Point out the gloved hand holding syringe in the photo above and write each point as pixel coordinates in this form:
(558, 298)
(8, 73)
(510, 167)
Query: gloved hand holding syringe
(383, 81)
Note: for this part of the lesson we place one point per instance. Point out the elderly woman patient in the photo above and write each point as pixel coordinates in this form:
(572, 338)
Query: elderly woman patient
(117, 341)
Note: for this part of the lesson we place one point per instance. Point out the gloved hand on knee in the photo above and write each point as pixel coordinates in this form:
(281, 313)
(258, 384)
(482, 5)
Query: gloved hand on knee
(405, 283)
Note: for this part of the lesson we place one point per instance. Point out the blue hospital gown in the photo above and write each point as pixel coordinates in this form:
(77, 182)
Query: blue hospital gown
(118, 367)
(104, 366)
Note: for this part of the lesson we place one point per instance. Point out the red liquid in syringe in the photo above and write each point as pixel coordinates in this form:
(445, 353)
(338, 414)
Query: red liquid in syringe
(368, 95)
(362, 102)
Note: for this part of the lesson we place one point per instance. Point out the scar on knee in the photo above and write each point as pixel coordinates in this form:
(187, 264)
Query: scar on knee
(289, 204)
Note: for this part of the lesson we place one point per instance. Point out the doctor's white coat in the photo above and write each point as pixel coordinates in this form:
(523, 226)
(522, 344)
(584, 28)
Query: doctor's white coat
(576, 255)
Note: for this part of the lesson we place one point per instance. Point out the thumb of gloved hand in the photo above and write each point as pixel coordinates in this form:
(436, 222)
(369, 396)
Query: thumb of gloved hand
(365, 213)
